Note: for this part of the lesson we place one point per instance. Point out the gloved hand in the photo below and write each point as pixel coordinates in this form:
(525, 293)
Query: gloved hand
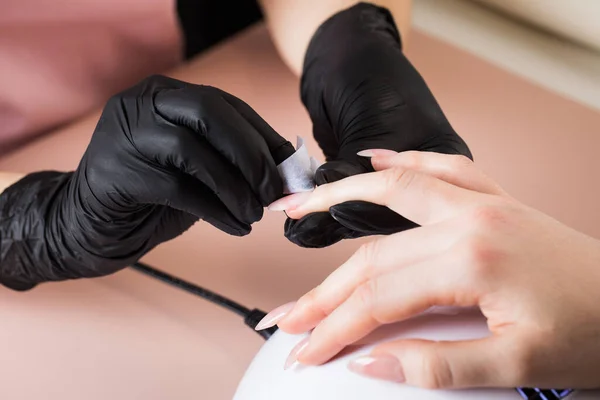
(362, 93)
(164, 154)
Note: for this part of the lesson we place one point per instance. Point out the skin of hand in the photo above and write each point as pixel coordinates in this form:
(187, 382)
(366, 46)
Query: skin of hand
(533, 278)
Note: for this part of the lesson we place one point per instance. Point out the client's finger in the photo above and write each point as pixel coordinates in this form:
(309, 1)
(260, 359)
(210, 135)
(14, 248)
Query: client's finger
(418, 197)
(386, 299)
(439, 365)
(452, 168)
(373, 259)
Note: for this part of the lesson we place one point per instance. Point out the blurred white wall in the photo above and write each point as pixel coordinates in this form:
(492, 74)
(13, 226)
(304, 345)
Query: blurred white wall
(554, 43)
(576, 20)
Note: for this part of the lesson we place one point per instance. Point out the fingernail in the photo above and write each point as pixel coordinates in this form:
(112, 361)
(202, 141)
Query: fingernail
(293, 357)
(272, 318)
(376, 152)
(288, 202)
(381, 366)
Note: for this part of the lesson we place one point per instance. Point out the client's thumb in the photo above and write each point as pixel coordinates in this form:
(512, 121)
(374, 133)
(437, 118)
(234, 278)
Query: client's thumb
(437, 365)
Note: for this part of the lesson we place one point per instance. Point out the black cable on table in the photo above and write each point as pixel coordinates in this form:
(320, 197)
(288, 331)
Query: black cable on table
(251, 317)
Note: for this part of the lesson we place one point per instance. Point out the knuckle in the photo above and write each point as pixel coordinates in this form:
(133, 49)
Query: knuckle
(114, 102)
(412, 159)
(488, 217)
(322, 192)
(480, 256)
(366, 255)
(366, 295)
(328, 335)
(435, 371)
(173, 190)
(522, 358)
(314, 300)
(176, 143)
(458, 162)
(398, 178)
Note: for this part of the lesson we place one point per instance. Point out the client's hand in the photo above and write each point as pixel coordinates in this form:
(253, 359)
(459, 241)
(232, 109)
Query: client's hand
(164, 154)
(535, 280)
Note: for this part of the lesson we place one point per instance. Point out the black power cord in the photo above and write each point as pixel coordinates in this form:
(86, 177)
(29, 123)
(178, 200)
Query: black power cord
(251, 317)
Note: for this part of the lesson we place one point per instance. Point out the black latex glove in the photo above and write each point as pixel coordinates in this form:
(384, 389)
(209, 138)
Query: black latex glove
(164, 154)
(362, 93)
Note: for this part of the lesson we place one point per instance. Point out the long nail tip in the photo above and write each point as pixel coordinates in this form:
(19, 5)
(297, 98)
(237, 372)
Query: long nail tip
(365, 153)
(376, 152)
(287, 366)
(293, 356)
(260, 327)
(273, 317)
(289, 362)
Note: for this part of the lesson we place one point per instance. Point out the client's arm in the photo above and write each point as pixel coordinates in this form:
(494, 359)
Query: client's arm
(293, 23)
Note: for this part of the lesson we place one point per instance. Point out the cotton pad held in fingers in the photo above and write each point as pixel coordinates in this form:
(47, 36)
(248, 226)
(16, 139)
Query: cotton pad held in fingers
(298, 170)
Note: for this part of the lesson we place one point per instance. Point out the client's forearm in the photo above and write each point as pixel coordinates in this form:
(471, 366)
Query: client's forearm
(292, 23)
(8, 178)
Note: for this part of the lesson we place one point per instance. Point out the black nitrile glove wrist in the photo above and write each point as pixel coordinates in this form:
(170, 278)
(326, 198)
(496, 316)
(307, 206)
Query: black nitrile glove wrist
(164, 154)
(361, 92)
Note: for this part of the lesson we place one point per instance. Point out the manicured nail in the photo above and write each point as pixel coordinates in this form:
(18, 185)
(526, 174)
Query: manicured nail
(289, 202)
(293, 357)
(380, 366)
(272, 318)
(376, 152)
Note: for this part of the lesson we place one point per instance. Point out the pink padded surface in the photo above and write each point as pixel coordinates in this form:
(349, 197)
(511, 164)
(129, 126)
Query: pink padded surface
(128, 337)
(61, 59)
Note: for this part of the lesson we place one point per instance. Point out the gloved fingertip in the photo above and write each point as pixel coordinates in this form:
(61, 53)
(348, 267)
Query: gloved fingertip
(315, 231)
(369, 219)
(239, 232)
(233, 230)
(19, 286)
(328, 175)
(283, 152)
(335, 170)
(256, 213)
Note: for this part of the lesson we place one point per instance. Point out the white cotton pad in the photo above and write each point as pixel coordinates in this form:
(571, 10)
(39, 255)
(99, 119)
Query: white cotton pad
(298, 170)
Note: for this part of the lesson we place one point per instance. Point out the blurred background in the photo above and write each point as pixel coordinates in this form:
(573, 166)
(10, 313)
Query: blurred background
(62, 59)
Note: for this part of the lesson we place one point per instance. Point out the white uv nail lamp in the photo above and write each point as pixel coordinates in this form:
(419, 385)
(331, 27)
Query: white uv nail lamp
(265, 378)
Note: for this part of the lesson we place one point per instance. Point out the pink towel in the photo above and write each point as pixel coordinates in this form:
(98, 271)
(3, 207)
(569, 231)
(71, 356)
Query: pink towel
(62, 58)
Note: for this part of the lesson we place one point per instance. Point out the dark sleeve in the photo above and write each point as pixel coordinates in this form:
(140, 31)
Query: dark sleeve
(24, 208)
(205, 23)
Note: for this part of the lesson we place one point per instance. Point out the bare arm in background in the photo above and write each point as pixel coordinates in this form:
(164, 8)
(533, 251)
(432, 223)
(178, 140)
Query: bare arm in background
(8, 178)
(292, 23)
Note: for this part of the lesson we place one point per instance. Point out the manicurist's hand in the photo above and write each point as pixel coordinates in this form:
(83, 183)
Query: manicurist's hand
(165, 154)
(535, 280)
(362, 92)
